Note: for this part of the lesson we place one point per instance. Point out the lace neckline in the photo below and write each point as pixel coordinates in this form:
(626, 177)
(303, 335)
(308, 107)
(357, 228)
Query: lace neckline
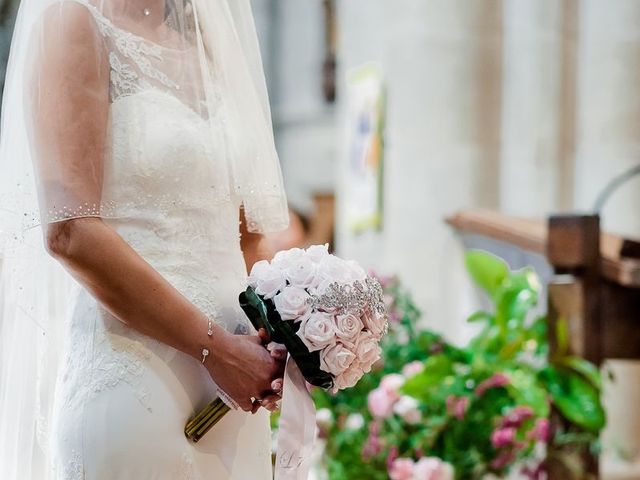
(106, 23)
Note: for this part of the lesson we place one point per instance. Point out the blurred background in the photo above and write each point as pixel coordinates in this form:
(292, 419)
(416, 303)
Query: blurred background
(392, 115)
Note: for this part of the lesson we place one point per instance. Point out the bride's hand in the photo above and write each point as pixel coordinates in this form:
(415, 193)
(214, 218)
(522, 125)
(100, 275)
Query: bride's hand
(243, 368)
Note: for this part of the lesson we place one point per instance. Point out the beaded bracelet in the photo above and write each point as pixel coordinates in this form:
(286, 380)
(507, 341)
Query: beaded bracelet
(205, 350)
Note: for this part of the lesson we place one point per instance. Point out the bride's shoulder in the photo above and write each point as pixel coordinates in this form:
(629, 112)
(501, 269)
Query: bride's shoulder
(71, 20)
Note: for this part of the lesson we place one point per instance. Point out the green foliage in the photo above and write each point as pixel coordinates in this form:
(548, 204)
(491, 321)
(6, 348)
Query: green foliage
(465, 394)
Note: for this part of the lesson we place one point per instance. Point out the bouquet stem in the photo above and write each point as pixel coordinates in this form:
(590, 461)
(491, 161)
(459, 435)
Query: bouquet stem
(195, 429)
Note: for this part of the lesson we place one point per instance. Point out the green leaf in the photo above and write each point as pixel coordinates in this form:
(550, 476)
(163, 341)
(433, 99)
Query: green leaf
(526, 390)
(585, 368)
(480, 316)
(436, 369)
(487, 270)
(576, 399)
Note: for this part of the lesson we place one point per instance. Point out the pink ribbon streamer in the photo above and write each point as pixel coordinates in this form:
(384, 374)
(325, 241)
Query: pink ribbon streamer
(297, 427)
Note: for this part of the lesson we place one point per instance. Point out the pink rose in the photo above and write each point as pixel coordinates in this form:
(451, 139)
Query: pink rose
(292, 304)
(380, 403)
(412, 369)
(349, 377)
(367, 350)
(374, 322)
(317, 331)
(401, 469)
(502, 437)
(302, 273)
(348, 326)
(266, 279)
(408, 409)
(432, 468)
(336, 359)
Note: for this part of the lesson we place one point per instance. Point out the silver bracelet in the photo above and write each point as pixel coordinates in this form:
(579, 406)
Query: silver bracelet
(205, 350)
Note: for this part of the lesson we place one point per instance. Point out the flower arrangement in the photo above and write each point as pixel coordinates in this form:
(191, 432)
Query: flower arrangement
(431, 410)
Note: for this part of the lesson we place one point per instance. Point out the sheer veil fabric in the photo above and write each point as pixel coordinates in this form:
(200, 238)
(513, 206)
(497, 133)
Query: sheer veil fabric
(200, 55)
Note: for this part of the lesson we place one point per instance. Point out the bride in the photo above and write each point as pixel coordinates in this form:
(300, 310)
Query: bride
(141, 129)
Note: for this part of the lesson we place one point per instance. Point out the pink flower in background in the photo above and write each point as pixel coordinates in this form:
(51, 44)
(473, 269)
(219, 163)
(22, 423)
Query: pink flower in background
(457, 406)
(495, 381)
(407, 408)
(373, 446)
(502, 437)
(401, 469)
(393, 454)
(412, 368)
(391, 384)
(541, 431)
(380, 403)
(517, 416)
(432, 468)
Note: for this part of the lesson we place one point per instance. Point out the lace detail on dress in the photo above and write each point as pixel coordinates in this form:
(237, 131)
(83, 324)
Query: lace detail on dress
(125, 80)
(120, 359)
(74, 470)
(186, 470)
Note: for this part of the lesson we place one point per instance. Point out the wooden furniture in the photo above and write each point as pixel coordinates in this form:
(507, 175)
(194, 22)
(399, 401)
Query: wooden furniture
(594, 280)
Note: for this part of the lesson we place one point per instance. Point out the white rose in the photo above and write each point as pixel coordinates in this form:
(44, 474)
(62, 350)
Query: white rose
(348, 326)
(286, 258)
(292, 304)
(374, 322)
(367, 350)
(356, 271)
(317, 252)
(334, 269)
(354, 421)
(336, 359)
(408, 408)
(269, 281)
(317, 331)
(349, 377)
(302, 273)
(258, 270)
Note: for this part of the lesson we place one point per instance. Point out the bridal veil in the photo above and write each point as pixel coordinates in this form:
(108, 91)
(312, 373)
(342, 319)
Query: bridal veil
(202, 53)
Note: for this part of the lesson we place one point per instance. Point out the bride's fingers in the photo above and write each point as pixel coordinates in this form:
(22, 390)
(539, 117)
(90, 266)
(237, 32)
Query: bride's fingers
(278, 351)
(264, 336)
(276, 385)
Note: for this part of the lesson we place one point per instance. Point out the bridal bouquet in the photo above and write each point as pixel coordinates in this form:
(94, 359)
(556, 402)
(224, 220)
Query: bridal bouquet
(328, 312)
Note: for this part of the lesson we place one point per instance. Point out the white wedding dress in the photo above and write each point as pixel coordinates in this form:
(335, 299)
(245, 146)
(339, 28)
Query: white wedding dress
(123, 398)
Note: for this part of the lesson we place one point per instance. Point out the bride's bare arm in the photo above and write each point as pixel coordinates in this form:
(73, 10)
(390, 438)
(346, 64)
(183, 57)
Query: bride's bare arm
(69, 118)
(254, 246)
(138, 295)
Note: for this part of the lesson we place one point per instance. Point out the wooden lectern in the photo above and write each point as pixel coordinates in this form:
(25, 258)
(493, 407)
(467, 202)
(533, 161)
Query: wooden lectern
(593, 279)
